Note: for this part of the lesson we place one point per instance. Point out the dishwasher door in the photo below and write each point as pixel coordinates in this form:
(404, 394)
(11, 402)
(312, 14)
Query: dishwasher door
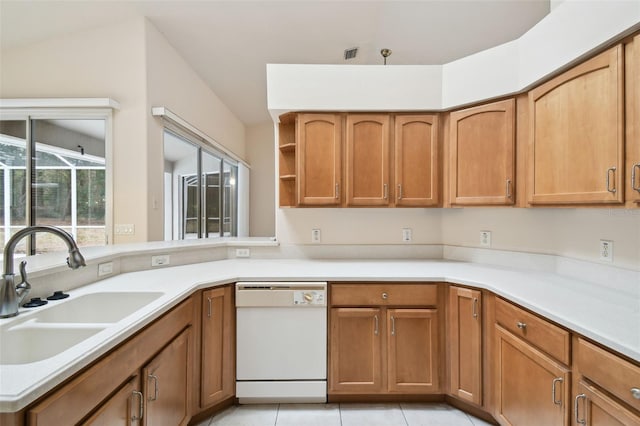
(281, 340)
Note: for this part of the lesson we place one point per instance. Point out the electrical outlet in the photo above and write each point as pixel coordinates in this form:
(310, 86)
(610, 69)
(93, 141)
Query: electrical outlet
(315, 236)
(243, 252)
(606, 250)
(485, 238)
(406, 235)
(160, 260)
(124, 229)
(105, 269)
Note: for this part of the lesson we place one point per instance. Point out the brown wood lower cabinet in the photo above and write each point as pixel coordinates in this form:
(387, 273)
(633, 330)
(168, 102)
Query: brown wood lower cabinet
(412, 347)
(217, 373)
(594, 407)
(167, 384)
(531, 388)
(465, 344)
(122, 409)
(355, 350)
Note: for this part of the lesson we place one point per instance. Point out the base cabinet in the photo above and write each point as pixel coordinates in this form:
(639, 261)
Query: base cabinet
(531, 387)
(217, 375)
(168, 385)
(384, 339)
(125, 408)
(465, 344)
(412, 347)
(592, 407)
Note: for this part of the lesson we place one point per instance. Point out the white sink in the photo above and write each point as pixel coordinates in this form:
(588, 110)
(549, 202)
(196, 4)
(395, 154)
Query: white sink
(96, 307)
(52, 329)
(30, 344)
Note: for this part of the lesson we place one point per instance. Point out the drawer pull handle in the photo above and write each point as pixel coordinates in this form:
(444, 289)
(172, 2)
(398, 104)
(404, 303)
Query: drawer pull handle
(209, 312)
(385, 190)
(635, 392)
(375, 329)
(575, 409)
(609, 171)
(393, 326)
(475, 307)
(553, 390)
(140, 406)
(521, 325)
(155, 392)
(400, 191)
(337, 191)
(385, 296)
(509, 188)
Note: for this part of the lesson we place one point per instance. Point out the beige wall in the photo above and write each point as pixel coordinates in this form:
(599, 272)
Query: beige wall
(261, 154)
(102, 63)
(133, 64)
(173, 84)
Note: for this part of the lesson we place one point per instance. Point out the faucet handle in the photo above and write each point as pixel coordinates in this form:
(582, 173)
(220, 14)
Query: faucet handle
(24, 287)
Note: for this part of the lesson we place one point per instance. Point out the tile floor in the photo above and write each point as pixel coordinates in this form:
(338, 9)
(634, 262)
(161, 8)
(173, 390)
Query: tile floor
(411, 414)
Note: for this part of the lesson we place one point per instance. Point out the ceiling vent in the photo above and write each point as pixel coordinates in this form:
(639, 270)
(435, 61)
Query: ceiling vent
(350, 53)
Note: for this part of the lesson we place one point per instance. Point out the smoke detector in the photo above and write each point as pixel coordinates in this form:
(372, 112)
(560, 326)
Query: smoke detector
(350, 53)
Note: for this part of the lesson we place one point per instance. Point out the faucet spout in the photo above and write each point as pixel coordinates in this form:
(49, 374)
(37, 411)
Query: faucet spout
(12, 294)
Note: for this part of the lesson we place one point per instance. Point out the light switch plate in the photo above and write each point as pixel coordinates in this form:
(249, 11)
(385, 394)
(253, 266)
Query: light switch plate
(243, 252)
(105, 269)
(407, 235)
(315, 236)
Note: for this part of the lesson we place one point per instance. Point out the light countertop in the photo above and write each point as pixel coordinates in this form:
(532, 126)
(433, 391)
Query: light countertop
(607, 316)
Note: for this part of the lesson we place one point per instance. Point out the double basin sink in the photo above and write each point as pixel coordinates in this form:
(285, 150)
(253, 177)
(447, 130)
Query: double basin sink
(50, 330)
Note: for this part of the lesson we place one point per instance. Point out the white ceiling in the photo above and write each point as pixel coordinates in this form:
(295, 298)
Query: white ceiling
(228, 43)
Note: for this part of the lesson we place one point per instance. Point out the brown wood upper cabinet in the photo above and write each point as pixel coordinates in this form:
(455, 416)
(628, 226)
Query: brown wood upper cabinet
(576, 146)
(632, 96)
(319, 159)
(482, 154)
(367, 160)
(416, 160)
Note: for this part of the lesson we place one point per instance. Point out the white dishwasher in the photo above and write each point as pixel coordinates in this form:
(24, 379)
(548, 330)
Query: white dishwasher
(281, 342)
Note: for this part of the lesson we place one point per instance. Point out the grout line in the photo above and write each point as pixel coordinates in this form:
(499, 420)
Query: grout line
(340, 412)
(277, 412)
(406, 422)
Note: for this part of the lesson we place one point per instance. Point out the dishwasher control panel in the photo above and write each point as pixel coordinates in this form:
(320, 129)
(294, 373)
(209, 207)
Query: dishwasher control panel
(308, 297)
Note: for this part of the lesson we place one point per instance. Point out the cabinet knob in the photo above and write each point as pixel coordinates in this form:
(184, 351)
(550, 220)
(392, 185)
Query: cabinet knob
(521, 325)
(385, 296)
(635, 392)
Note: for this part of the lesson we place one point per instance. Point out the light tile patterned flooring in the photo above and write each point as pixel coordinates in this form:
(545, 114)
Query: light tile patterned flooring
(411, 414)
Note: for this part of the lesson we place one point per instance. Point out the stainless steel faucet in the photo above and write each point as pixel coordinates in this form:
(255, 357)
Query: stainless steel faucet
(12, 294)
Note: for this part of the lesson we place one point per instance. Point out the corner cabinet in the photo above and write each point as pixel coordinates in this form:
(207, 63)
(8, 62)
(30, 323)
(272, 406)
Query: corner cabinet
(217, 378)
(482, 155)
(576, 153)
(416, 162)
(531, 376)
(384, 339)
(465, 344)
(145, 381)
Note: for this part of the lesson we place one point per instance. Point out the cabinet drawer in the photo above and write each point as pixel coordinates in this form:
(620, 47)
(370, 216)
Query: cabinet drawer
(550, 338)
(609, 371)
(392, 294)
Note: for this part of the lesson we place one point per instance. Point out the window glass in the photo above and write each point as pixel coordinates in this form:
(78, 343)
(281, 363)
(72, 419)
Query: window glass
(211, 195)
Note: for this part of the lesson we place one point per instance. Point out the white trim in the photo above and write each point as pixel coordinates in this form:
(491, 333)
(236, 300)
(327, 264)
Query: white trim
(60, 103)
(167, 114)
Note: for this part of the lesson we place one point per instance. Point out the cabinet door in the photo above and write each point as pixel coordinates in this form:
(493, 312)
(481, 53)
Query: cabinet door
(531, 388)
(632, 86)
(416, 160)
(577, 134)
(465, 344)
(367, 151)
(217, 346)
(482, 154)
(319, 159)
(412, 336)
(355, 350)
(167, 384)
(595, 408)
(124, 408)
